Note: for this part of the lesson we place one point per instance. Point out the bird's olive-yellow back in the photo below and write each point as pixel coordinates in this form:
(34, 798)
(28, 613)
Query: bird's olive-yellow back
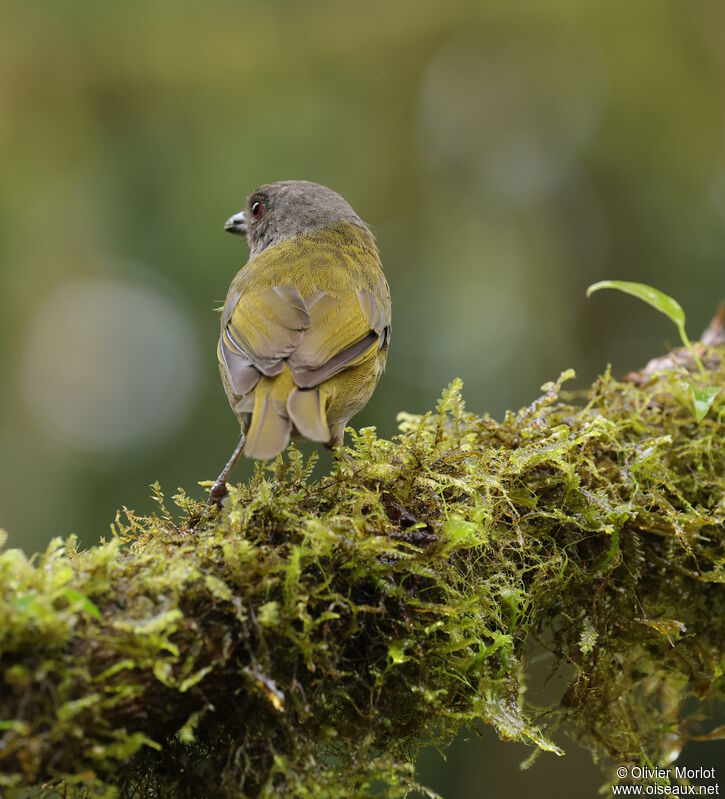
(304, 337)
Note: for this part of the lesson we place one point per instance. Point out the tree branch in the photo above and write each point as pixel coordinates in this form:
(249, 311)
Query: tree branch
(308, 638)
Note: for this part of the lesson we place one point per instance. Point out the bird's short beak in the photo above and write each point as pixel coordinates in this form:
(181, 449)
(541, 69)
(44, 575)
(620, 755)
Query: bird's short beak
(236, 224)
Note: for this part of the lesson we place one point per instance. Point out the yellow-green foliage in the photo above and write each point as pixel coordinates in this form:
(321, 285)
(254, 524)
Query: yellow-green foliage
(307, 639)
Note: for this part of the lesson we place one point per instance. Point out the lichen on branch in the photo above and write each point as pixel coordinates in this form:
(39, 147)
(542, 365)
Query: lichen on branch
(310, 637)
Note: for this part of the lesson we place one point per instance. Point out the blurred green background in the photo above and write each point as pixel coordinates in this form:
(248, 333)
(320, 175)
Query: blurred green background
(506, 156)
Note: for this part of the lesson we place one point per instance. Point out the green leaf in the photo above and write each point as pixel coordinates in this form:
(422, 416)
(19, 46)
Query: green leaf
(662, 302)
(19, 727)
(461, 534)
(268, 614)
(702, 399)
(27, 603)
(396, 652)
(81, 600)
(669, 628)
(657, 299)
(588, 637)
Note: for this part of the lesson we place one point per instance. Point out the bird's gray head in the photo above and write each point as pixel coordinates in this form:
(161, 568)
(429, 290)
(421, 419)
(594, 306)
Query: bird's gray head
(286, 209)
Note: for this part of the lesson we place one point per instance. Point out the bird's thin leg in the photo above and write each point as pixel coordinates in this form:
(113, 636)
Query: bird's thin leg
(219, 489)
(336, 445)
(339, 453)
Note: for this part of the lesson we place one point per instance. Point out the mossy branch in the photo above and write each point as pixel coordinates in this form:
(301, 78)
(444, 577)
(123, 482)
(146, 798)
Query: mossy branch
(310, 637)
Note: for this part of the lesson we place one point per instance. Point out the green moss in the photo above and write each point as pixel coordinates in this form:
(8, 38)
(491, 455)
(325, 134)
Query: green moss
(309, 638)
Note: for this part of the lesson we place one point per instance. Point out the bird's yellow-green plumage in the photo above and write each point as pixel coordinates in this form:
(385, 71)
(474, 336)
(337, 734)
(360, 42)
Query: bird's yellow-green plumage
(305, 331)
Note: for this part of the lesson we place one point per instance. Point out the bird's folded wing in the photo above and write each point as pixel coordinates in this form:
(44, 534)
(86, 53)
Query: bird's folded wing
(317, 338)
(344, 331)
(266, 327)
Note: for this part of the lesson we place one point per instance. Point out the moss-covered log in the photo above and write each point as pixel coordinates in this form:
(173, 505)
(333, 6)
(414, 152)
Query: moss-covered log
(308, 638)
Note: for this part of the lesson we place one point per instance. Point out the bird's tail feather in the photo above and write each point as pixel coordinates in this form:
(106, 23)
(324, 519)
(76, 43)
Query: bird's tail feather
(307, 409)
(270, 428)
(278, 404)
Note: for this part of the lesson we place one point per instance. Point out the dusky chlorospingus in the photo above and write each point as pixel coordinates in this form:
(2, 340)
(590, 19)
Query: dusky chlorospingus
(306, 323)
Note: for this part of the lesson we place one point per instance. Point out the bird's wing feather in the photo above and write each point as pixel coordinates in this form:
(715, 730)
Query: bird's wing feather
(345, 330)
(266, 327)
(243, 375)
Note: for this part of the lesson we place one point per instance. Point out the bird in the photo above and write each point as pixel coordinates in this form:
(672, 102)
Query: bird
(305, 327)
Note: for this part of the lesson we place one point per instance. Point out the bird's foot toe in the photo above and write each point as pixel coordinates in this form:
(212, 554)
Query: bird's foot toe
(217, 493)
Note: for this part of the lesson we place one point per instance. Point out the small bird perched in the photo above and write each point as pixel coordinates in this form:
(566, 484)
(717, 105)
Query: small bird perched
(306, 323)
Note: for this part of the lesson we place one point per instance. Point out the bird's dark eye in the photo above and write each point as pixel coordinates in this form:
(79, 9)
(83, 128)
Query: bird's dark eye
(257, 209)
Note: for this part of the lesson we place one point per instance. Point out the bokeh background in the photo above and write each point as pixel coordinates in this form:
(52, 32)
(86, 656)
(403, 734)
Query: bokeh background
(506, 155)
